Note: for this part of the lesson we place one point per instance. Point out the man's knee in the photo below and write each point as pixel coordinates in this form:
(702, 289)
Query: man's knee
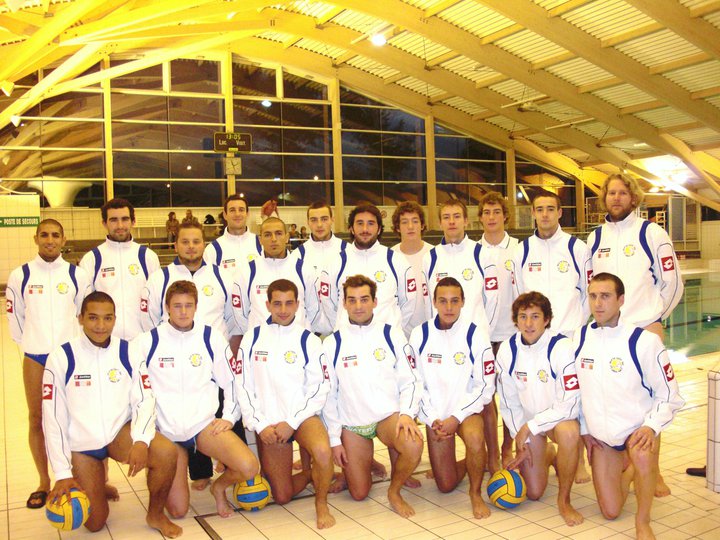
(474, 442)
(248, 468)
(643, 460)
(177, 510)
(567, 434)
(99, 512)
(444, 483)
(610, 510)
(359, 493)
(282, 495)
(321, 452)
(163, 453)
(410, 448)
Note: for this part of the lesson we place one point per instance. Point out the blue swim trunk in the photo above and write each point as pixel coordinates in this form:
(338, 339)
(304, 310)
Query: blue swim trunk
(190, 445)
(99, 454)
(39, 358)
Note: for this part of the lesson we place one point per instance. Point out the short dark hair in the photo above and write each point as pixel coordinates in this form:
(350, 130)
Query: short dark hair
(453, 202)
(181, 287)
(528, 300)
(50, 221)
(234, 197)
(360, 281)
(281, 285)
(99, 297)
(365, 207)
(494, 197)
(270, 221)
(407, 207)
(607, 276)
(448, 282)
(546, 193)
(117, 204)
(190, 225)
(316, 205)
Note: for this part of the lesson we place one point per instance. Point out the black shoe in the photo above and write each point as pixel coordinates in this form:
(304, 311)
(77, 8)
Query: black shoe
(696, 471)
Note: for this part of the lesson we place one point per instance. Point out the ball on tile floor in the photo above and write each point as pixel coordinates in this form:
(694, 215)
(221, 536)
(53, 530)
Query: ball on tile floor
(70, 512)
(252, 494)
(506, 489)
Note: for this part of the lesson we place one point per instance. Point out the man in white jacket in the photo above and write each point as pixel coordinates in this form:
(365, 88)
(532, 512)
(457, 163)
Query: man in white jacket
(188, 362)
(98, 403)
(540, 399)
(457, 367)
(374, 391)
(629, 396)
(282, 387)
(237, 245)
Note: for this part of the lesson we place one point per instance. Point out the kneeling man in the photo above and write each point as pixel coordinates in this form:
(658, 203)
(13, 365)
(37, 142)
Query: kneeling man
(98, 403)
(282, 387)
(539, 398)
(457, 366)
(374, 391)
(629, 396)
(187, 363)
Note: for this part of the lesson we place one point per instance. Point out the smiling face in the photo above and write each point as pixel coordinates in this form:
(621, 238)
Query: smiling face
(605, 303)
(282, 307)
(181, 308)
(98, 321)
(619, 200)
(236, 216)
(492, 218)
(359, 304)
(50, 240)
(453, 223)
(365, 230)
(190, 246)
(531, 323)
(119, 224)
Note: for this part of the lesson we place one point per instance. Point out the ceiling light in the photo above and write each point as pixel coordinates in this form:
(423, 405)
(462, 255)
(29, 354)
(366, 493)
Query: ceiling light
(242, 195)
(189, 167)
(378, 40)
(316, 177)
(266, 103)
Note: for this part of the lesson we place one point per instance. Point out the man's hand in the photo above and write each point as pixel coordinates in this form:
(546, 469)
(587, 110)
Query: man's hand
(339, 456)
(407, 424)
(643, 438)
(268, 435)
(522, 437)
(283, 431)
(61, 488)
(137, 459)
(590, 443)
(520, 457)
(219, 425)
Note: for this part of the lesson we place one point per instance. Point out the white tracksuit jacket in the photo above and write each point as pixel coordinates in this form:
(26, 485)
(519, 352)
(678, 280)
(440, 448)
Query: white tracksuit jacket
(186, 369)
(121, 269)
(230, 251)
(626, 381)
(396, 285)
(283, 376)
(641, 254)
(43, 300)
(473, 267)
(321, 259)
(249, 292)
(501, 256)
(554, 267)
(457, 369)
(89, 394)
(214, 285)
(537, 383)
(372, 376)
(422, 298)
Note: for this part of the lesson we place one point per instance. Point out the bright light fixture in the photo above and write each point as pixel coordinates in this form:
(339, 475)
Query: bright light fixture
(266, 103)
(378, 40)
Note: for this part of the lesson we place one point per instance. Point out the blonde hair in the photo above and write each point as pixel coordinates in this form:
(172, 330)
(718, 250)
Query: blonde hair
(636, 191)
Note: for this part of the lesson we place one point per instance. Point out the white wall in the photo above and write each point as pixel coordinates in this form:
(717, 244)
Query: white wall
(710, 239)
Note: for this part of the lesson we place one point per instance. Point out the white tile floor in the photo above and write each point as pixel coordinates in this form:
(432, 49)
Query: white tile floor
(690, 512)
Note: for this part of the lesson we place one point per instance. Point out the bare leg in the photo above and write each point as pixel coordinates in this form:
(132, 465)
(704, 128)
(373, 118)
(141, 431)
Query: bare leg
(111, 492)
(90, 474)
(490, 425)
(447, 472)
(357, 475)
(311, 434)
(276, 463)
(410, 452)
(566, 435)
(178, 500)
(645, 464)
(411, 482)
(471, 432)
(32, 379)
(610, 481)
(582, 476)
(507, 447)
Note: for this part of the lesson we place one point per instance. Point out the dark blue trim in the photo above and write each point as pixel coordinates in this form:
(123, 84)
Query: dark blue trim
(166, 281)
(596, 241)
(571, 248)
(258, 245)
(646, 248)
(632, 345)
(425, 334)
(72, 271)
(25, 279)
(476, 255)
(218, 252)
(299, 270)
(433, 261)
(526, 251)
(471, 332)
(253, 270)
(71, 361)
(386, 333)
(343, 262)
(301, 249)
(124, 357)
(513, 350)
(207, 331)
(98, 262)
(338, 340)
(583, 334)
(553, 341)
(216, 271)
(142, 258)
(256, 335)
(303, 345)
(155, 339)
(390, 254)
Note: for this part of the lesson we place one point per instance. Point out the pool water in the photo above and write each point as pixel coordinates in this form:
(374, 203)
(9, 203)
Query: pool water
(694, 326)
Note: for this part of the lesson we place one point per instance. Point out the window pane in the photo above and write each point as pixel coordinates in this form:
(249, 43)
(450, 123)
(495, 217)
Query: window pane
(71, 134)
(261, 166)
(357, 168)
(486, 172)
(355, 192)
(254, 112)
(149, 136)
(73, 164)
(256, 193)
(72, 104)
(22, 164)
(307, 167)
(478, 150)
(128, 107)
(26, 134)
(305, 115)
(192, 137)
(144, 194)
(451, 147)
(141, 165)
(361, 143)
(307, 141)
(251, 80)
(451, 171)
(146, 79)
(264, 139)
(394, 193)
(186, 165)
(195, 76)
(403, 145)
(91, 197)
(361, 118)
(404, 169)
(304, 193)
(395, 120)
(295, 86)
(184, 109)
(348, 96)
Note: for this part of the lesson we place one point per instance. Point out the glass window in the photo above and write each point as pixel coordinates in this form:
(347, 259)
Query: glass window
(307, 141)
(195, 76)
(204, 110)
(305, 115)
(261, 166)
(361, 143)
(412, 170)
(403, 145)
(64, 164)
(362, 168)
(307, 167)
(92, 196)
(247, 111)
(71, 134)
(396, 120)
(295, 86)
(72, 104)
(304, 193)
(140, 136)
(187, 165)
(22, 164)
(149, 78)
(355, 192)
(348, 96)
(250, 80)
(141, 164)
(144, 194)
(26, 134)
(131, 107)
(192, 137)
(365, 118)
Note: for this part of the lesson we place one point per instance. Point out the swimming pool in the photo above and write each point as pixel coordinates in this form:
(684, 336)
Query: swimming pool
(694, 326)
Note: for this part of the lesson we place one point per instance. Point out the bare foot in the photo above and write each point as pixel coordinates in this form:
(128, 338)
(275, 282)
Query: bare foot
(582, 476)
(429, 474)
(399, 505)
(661, 488)
(378, 469)
(166, 527)
(412, 483)
(643, 531)
(199, 485)
(111, 493)
(338, 484)
(325, 519)
(480, 509)
(297, 465)
(571, 516)
(223, 506)
(493, 466)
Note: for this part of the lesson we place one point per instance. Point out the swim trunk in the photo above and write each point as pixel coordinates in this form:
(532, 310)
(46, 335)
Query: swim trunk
(99, 454)
(190, 445)
(367, 432)
(39, 358)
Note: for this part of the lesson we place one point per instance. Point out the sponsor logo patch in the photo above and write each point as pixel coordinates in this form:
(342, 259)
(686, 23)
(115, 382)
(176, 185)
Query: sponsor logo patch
(324, 289)
(669, 372)
(82, 380)
(9, 306)
(587, 363)
(236, 302)
(491, 284)
(349, 361)
(489, 367)
(668, 264)
(144, 305)
(411, 285)
(570, 382)
(146, 382)
(47, 391)
(236, 366)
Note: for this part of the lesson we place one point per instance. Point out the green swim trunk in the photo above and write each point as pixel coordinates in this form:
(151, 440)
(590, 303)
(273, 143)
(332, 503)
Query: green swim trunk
(368, 432)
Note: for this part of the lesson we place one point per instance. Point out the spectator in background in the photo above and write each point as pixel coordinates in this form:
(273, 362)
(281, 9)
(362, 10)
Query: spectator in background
(171, 227)
(189, 218)
(303, 233)
(268, 209)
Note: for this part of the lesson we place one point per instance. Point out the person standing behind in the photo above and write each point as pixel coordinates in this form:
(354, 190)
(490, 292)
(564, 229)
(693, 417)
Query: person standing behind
(43, 300)
(408, 221)
(189, 218)
(171, 227)
(237, 245)
(120, 266)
